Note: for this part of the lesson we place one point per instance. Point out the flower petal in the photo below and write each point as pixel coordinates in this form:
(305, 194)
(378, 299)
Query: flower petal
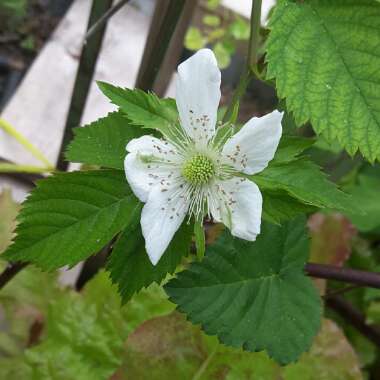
(198, 95)
(161, 217)
(250, 150)
(237, 202)
(143, 175)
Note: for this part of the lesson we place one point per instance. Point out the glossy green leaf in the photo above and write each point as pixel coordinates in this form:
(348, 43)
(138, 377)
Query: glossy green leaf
(103, 142)
(254, 295)
(130, 267)
(144, 109)
(325, 57)
(303, 180)
(279, 206)
(70, 216)
(290, 147)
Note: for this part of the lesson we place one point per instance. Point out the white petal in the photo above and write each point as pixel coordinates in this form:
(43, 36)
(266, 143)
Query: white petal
(198, 95)
(237, 203)
(250, 150)
(142, 176)
(161, 217)
(152, 145)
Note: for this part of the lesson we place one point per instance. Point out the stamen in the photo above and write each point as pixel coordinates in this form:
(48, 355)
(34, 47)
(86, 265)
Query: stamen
(198, 170)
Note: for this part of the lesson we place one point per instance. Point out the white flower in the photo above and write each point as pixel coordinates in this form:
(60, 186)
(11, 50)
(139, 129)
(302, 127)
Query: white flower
(193, 175)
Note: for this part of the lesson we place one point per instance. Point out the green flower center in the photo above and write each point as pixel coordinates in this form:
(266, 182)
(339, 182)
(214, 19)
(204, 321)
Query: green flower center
(198, 170)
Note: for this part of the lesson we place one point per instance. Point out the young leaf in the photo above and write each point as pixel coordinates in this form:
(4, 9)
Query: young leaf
(325, 57)
(129, 265)
(70, 216)
(303, 180)
(254, 295)
(144, 109)
(103, 142)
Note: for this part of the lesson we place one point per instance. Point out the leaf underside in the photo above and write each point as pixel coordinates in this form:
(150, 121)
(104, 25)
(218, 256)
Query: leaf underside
(325, 57)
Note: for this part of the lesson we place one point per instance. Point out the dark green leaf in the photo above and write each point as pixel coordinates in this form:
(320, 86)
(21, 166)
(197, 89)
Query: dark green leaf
(303, 180)
(291, 147)
(325, 57)
(254, 295)
(130, 267)
(279, 206)
(103, 142)
(144, 109)
(70, 216)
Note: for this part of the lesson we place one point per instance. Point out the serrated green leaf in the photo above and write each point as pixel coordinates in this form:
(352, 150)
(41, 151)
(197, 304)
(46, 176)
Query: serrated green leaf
(291, 147)
(279, 206)
(325, 57)
(303, 180)
(130, 267)
(144, 109)
(70, 216)
(254, 295)
(103, 142)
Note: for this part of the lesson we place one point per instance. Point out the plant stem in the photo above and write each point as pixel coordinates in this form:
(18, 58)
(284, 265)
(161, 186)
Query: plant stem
(104, 19)
(353, 276)
(15, 168)
(200, 240)
(8, 128)
(250, 65)
(9, 272)
(354, 317)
